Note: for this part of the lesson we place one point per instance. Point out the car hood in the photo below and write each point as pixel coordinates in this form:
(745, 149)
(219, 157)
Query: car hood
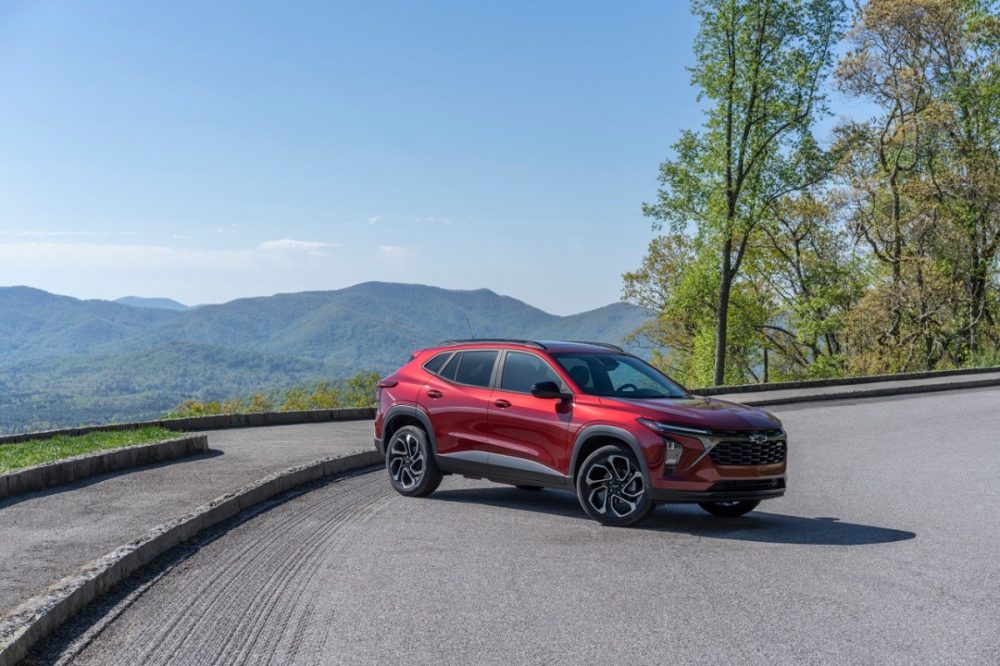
(701, 412)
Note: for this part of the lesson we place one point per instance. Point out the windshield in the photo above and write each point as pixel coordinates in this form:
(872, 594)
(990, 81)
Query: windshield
(617, 376)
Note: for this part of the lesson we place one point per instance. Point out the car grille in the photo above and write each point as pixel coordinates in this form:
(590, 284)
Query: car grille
(748, 453)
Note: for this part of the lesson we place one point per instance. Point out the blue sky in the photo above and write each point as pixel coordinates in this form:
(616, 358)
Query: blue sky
(208, 151)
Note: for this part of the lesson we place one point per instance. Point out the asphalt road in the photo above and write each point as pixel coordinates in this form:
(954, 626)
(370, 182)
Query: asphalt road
(884, 551)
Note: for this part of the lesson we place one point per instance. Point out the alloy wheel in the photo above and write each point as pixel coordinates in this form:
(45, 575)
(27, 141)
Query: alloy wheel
(615, 486)
(406, 460)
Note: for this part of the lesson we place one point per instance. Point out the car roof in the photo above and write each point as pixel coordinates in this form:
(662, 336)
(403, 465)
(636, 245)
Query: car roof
(546, 345)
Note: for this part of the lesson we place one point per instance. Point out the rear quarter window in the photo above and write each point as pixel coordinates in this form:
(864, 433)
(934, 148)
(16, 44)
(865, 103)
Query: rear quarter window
(450, 368)
(435, 364)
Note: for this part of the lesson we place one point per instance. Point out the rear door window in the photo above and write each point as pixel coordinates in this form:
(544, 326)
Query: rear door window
(475, 367)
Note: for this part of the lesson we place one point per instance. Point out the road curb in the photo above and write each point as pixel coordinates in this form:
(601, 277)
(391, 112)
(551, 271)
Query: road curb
(217, 422)
(58, 472)
(869, 393)
(39, 616)
(840, 381)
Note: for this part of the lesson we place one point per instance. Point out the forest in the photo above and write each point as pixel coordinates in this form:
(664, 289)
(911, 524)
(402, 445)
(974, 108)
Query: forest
(783, 252)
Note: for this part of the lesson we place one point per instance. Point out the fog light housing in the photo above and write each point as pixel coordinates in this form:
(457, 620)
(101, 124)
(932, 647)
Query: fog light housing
(671, 455)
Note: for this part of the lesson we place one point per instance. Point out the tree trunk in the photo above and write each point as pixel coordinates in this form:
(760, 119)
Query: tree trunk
(723, 315)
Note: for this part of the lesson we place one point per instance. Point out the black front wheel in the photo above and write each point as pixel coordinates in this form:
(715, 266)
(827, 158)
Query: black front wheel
(730, 509)
(410, 463)
(612, 488)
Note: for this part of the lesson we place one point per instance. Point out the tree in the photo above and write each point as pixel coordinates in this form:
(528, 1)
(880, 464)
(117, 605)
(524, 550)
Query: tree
(813, 279)
(760, 64)
(966, 43)
(923, 178)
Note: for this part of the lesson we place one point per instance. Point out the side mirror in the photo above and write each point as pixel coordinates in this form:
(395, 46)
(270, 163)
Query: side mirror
(549, 390)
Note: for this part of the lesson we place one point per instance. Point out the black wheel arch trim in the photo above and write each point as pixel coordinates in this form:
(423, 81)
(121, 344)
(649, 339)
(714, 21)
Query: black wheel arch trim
(412, 411)
(588, 433)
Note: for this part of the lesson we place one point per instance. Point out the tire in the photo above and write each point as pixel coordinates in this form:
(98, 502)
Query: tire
(528, 488)
(729, 509)
(410, 463)
(611, 487)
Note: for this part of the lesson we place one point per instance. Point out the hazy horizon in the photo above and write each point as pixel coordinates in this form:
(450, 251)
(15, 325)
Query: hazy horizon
(280, 293)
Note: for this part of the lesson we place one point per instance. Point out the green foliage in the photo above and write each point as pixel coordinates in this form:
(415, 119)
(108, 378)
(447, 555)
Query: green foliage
(880, 255)
(357, 391)
(37, 452)
(760, 65)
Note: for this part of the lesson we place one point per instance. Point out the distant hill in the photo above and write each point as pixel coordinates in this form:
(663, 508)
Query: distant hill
(156, 303)
(65, 361)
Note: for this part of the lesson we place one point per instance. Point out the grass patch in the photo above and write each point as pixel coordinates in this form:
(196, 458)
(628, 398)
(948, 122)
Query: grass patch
(26, 454)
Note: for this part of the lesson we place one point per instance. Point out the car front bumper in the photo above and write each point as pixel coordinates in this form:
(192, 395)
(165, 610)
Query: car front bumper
(725, 491)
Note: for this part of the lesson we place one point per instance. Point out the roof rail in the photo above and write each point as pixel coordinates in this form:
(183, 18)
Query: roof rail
(606, 345)
(466, 341)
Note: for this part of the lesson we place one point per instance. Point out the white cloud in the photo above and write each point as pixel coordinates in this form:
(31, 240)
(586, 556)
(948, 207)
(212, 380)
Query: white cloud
(286, 244)
(395, 250)
(375, 219)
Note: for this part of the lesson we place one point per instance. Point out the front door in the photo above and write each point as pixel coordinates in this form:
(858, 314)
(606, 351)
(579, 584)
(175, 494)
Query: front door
(528, 436)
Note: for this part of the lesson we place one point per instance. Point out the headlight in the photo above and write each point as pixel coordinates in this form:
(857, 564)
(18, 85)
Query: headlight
(661, 427)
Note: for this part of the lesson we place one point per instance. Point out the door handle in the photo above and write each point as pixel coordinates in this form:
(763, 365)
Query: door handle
(501, 403)
(435, 394)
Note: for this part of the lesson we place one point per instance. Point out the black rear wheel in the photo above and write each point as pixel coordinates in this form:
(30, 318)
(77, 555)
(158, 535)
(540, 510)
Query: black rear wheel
(410, 463)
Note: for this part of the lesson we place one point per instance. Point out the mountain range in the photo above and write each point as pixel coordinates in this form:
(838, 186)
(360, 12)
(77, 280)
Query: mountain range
(65, 361)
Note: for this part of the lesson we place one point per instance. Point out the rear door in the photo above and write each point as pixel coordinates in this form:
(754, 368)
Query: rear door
(528, 435)
(457, 398)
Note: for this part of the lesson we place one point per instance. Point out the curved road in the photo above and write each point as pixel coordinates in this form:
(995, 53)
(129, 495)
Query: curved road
(884, 551)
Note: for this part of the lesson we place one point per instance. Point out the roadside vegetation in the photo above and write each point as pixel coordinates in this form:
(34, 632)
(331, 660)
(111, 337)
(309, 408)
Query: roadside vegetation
(358, 391)
(785, 252)
(37, 452)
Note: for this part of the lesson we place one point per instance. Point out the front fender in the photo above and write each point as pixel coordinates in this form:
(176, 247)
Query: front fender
(588, 433)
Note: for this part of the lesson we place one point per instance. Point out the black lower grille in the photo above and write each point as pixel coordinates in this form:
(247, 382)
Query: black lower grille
(748, 453)
(748, 485)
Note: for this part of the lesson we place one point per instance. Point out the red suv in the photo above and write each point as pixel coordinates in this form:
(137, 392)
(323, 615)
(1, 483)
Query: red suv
(581, 416)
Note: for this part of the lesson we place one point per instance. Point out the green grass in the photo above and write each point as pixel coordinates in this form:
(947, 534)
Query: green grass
(26, 454)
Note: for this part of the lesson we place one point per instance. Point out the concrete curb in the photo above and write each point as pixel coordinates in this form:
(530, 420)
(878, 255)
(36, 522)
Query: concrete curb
(868, 393)
(218, 422)
(67, 470)
(36, 618)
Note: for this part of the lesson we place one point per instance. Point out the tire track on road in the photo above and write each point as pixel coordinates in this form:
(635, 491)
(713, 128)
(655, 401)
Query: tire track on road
(245, 607)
